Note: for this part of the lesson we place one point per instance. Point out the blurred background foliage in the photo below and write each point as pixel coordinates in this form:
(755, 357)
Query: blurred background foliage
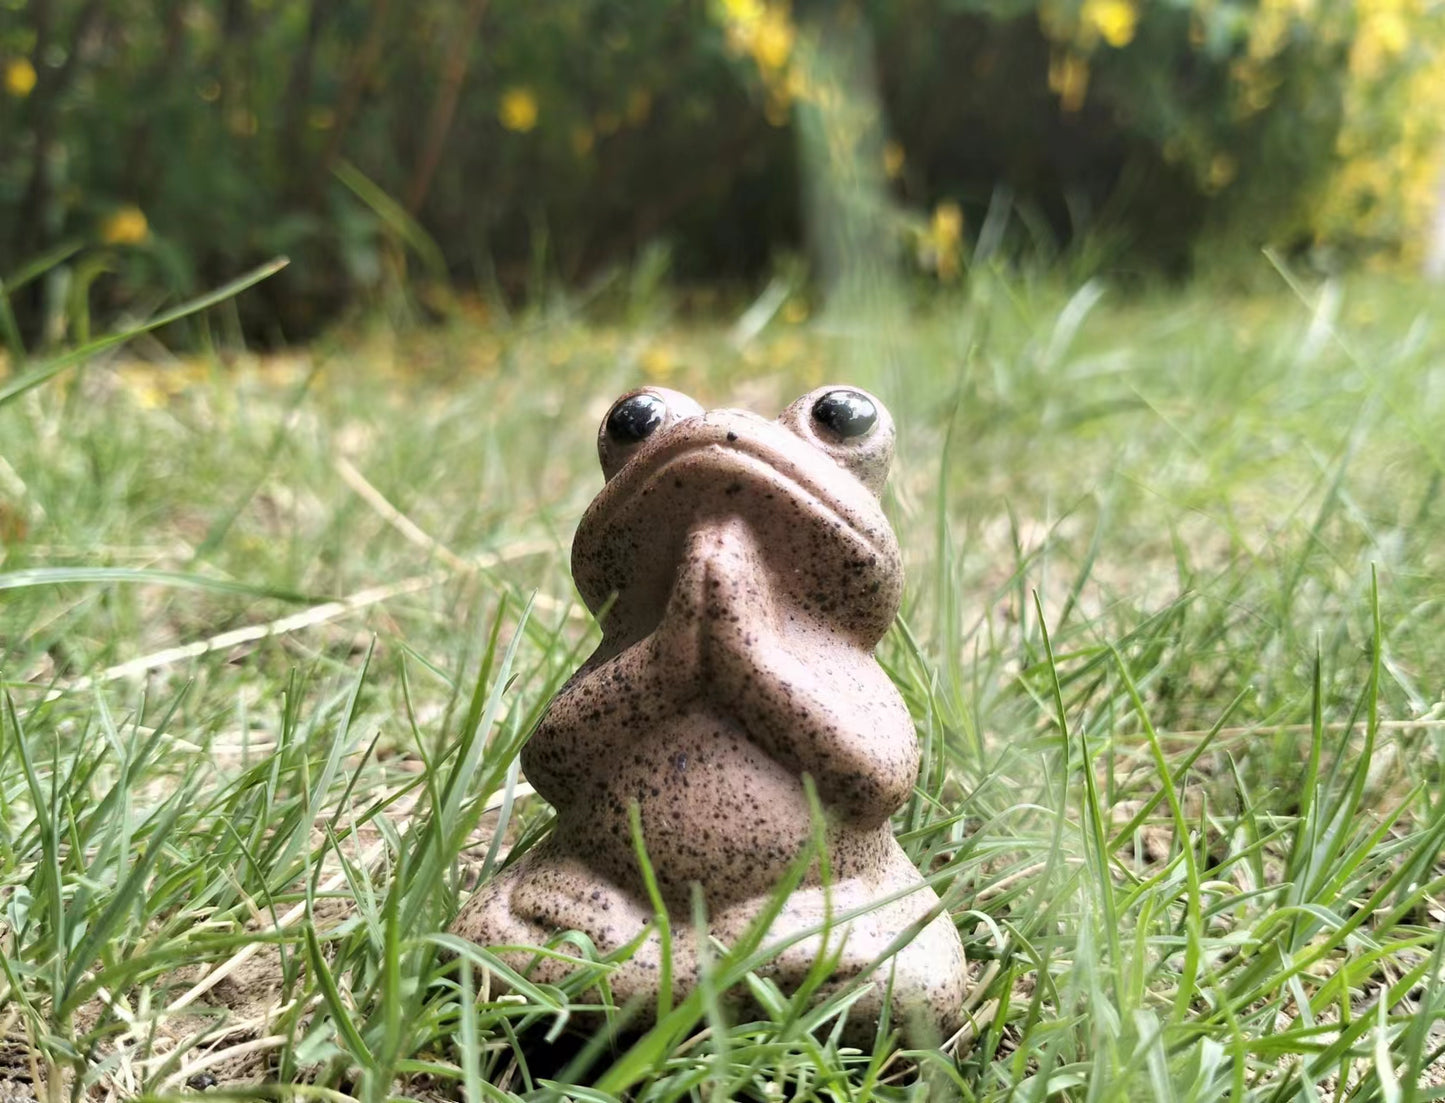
(482, 151)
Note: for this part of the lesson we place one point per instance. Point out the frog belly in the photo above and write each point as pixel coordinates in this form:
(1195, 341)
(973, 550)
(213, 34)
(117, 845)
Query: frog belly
(715, 810)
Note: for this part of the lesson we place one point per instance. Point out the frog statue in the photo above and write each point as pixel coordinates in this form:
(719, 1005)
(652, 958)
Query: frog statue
(745, 572)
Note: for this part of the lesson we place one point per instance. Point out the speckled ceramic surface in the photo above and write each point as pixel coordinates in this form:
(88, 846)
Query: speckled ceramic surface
(754, 573)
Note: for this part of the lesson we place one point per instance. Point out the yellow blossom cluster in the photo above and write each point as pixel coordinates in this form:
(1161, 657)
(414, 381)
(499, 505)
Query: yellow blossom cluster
(607, 122)
(1076, 32)
(1382, 35)
(1112, 20)
(764, 31)
(1392, 143)
(519, 110)
(1255, 73)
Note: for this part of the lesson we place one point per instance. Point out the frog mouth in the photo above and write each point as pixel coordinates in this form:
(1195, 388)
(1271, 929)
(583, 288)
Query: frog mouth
(760, 464)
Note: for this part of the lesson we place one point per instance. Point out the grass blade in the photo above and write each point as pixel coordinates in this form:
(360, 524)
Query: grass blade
(48, 370)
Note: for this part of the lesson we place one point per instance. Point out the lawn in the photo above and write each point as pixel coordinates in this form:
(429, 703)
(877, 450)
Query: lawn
(273, 628)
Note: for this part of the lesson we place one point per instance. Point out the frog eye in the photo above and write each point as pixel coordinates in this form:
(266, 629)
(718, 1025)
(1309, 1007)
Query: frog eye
(848, 424)
(634, 418)
(846, 414)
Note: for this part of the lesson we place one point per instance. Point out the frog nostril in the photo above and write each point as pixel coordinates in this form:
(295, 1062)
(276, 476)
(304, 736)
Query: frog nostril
(635, 418)
(845, 413)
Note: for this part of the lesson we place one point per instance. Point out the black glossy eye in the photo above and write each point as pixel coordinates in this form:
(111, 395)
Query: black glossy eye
(845, 413)
(635, 418)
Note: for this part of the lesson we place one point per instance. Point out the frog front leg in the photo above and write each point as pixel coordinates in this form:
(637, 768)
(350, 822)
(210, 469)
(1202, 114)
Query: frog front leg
(809, 700)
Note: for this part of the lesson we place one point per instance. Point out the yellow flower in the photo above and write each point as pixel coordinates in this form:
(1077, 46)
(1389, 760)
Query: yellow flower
(1390, 29)
(127, 226)
(658, 363)
(1114, 20)
(742, 11)
(773, 40)
(1222, 170)
(764, 30)
(893, 159)
(583, 139)
(20, 78)
(144, 385)
(1069, 78)
(947, 223)
(945, 237)
(518, 109)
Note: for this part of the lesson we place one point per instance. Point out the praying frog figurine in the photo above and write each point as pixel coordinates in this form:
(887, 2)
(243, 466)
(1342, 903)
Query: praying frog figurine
(744, 571)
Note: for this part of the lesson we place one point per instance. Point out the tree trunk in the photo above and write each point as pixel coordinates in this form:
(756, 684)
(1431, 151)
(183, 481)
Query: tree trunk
(454, 72)
(1435, 235)
(848, 211)
(363, 67)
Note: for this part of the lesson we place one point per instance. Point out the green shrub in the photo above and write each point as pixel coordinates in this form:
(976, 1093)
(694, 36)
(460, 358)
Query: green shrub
(485, 146)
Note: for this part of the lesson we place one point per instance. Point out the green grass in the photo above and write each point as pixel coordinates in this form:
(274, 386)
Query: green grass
(1173, 639)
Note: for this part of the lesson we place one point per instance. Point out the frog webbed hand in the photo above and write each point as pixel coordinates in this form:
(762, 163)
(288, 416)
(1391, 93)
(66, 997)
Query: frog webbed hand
(813, 700)
(844, 725)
